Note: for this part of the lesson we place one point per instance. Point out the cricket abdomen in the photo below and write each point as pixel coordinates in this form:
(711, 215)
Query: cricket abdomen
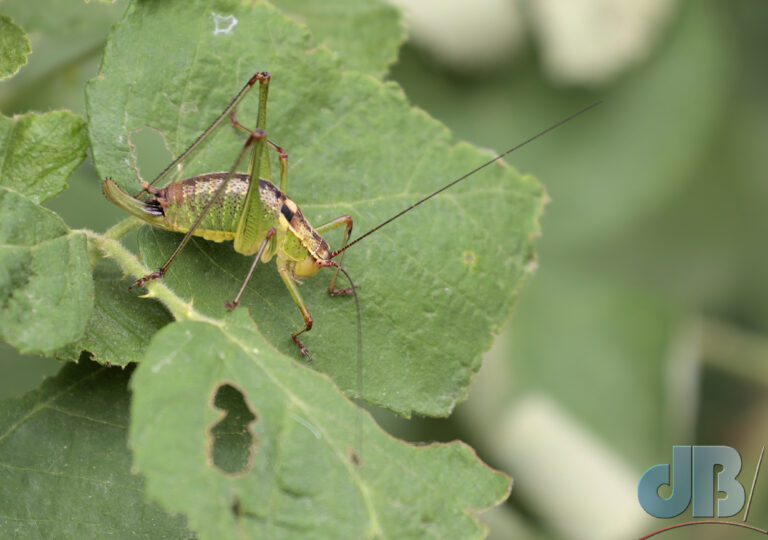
(185, 199)
(182, 202)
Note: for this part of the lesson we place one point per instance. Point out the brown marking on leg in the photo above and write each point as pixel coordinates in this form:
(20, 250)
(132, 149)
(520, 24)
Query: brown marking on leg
(295, 336)
(260, 76)
(149, 277)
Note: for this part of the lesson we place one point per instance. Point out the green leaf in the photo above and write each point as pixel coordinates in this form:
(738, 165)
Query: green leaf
(38, 152)
(433, 287)
(303, 478)
(68, 38)
(365, 34)
(121, 324)
(46, 291)
(14, 47)
(65, 470)
(609, 170)
(617, 338)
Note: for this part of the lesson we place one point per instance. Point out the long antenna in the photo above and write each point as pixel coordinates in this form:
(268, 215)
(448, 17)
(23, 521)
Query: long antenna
(467, 175)
(356, 455)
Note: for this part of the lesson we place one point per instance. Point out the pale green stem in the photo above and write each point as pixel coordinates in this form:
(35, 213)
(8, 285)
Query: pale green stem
(121, 228)
(735, 350)
(114, 233)
(130, 264)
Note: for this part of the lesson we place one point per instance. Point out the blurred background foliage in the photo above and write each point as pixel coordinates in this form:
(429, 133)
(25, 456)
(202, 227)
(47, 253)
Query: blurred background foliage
(646, 324)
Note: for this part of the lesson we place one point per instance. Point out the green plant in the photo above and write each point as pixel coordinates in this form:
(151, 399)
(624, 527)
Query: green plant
(226, 423)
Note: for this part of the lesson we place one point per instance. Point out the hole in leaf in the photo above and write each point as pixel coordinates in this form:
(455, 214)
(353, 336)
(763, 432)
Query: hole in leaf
(233, 442)
(148, 153)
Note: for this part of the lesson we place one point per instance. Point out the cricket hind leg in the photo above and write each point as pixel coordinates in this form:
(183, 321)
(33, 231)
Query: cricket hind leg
(281, 153)
(346, 221)
(260, 77)
(256, 138)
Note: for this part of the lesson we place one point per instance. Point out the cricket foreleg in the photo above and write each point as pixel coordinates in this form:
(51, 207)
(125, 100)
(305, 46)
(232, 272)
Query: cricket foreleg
(233, 304)
(335, 224)
(293, 288)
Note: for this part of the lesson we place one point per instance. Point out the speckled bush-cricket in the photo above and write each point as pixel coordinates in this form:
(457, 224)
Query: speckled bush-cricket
(250, 210)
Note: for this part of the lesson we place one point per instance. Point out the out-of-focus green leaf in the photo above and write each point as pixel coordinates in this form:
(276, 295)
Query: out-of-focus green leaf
(67, 39)
(38, 152)
(587, 342)
(14, 47)
(704, 248)
(433, 287)
(121, 324)
(308, 474)
(65, 470)
(46, 290)
(365, 34)
(608, 170)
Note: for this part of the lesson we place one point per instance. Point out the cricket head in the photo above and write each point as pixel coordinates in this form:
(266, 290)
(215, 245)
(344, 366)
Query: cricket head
(319, 254)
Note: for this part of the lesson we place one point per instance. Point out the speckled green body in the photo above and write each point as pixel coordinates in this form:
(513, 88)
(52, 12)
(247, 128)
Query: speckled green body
(177, 206)
(183, 201)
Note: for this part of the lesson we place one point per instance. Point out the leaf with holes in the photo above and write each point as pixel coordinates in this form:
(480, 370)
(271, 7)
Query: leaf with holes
(434, 286)
(291, 466)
